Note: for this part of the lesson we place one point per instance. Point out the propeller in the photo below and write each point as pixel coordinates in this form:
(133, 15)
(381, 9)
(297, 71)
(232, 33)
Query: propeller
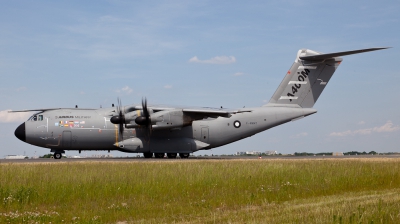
(145, 119)
(119, 119)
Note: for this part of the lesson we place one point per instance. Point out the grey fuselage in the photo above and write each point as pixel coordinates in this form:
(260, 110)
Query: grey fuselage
(78, 129)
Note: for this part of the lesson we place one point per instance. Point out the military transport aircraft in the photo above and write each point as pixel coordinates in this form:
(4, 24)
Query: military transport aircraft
(158, 130)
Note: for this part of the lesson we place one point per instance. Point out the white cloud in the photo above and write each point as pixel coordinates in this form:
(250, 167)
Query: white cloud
(167, 86)
(215, 60)
(22, 88)
(388, 127)
(361, 122)
(126, 90)
(6, 117)
(238, 74)
(302, 134)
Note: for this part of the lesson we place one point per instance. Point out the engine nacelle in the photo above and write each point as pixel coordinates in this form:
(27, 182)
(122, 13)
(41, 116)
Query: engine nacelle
(169, 119)
(131, 116)
(160, 120)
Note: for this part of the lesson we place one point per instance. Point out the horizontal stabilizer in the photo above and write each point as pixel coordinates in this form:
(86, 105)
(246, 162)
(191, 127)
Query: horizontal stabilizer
(320, 57)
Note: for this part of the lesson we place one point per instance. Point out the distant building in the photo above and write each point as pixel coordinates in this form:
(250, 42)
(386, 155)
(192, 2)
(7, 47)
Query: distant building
(16, 157)
(270, 153)
(253, 153)
(337, 154)
(102, 156)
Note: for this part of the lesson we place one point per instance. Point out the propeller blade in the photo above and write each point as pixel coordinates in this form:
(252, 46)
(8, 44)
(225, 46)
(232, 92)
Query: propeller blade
(145, 119)
(147, 116)
(119, 119)
(121, 125)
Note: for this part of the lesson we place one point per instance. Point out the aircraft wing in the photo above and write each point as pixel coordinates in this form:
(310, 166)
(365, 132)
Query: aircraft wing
(47, 109)
(207, 111)
(214, 112)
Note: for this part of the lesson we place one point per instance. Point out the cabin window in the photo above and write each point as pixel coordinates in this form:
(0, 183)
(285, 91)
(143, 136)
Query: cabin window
(40, 118)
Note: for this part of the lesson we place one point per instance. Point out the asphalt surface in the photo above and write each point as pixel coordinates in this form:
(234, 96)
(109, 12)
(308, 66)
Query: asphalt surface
(142, 159)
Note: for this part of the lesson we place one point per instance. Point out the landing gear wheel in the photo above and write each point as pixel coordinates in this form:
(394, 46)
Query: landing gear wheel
(57, 155)
(148, 154)
(171, 155)
(184, 155)
(159, 155)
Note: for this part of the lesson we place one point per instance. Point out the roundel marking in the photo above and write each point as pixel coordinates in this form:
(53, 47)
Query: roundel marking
(237, 124)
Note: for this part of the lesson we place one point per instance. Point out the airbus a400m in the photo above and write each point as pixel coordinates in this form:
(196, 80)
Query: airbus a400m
(158, 130)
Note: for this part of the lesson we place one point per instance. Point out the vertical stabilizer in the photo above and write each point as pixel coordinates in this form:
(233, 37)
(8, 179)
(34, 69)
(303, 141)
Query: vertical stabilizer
(308, 76)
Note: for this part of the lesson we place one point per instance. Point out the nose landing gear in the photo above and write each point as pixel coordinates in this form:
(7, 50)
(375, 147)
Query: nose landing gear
(57, 155)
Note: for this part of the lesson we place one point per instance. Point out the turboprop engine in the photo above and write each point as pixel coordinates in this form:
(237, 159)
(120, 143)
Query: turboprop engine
(161, 120)
(147, 118)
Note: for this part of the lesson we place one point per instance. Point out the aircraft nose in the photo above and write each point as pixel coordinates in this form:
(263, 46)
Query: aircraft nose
(20, 132)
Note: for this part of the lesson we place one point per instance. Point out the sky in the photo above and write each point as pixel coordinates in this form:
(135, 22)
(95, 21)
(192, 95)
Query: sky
(204, 53)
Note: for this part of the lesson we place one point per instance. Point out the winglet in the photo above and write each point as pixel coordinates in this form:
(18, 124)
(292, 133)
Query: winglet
(320, 57)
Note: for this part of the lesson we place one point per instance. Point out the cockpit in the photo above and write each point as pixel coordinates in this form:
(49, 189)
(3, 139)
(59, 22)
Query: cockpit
(36, 117)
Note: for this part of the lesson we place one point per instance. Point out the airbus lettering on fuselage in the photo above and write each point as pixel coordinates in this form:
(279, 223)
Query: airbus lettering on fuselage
(78, 117)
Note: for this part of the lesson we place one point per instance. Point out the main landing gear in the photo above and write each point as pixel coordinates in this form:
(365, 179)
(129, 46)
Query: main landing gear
(169, 155)
(159, 155)
(147, 154)
(184, 155)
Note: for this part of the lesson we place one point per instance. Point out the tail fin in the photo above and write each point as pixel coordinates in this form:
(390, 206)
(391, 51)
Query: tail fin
(308, 76)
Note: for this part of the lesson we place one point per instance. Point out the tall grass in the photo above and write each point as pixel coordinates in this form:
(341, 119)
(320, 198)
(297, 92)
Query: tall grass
(235, 191)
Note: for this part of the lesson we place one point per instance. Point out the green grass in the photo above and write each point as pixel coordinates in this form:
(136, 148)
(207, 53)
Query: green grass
(194, 191)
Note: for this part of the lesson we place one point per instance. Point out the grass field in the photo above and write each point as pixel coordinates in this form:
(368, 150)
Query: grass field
(194, 191)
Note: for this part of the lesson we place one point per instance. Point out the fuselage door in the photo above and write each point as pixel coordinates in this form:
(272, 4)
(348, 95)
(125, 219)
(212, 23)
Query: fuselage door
(66, 139)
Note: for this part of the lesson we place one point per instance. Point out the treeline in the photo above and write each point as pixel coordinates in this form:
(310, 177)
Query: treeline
(331, 153)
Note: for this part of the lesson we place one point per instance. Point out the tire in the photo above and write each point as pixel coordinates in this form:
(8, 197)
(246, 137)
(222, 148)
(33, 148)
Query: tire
(184, 155)
(159, 155)
(57, 155)
(171, 155)
(148, 154)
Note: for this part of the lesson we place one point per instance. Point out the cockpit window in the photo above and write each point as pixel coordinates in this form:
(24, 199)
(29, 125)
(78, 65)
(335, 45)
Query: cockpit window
(35, 117)
(40, 118)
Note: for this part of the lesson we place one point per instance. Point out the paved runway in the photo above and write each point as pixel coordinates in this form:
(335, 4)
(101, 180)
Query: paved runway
(142, 159)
